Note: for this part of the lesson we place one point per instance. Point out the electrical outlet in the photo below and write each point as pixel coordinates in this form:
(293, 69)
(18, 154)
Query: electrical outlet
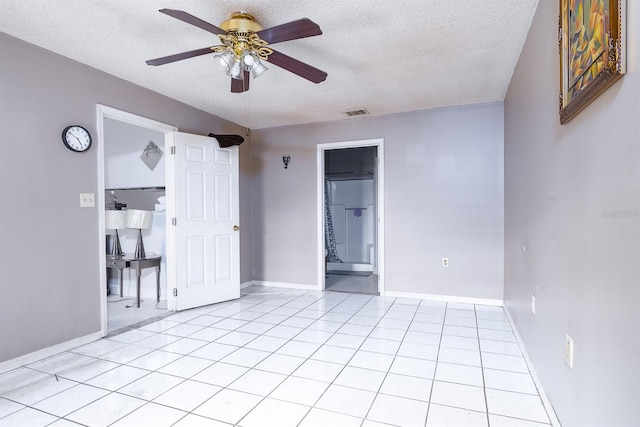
(533, 304)
(445, 262)
(568, 350)
(87, 200)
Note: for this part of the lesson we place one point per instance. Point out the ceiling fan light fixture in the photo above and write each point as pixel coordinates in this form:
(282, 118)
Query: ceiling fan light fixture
(243, 47)
(258, 69)
(235, 71)
(251, 62)
(225, 60)
(249, 59)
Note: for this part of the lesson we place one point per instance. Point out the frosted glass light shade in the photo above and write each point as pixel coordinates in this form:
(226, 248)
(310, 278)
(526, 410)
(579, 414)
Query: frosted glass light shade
(235, 72)
(224, 60)
(139, 219)
(248, 60)
(258, 69)
(115, 220)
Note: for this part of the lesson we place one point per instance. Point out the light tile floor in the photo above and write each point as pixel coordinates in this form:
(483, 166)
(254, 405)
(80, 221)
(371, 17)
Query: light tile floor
(289, 358)
(122, 311)
(352, 283)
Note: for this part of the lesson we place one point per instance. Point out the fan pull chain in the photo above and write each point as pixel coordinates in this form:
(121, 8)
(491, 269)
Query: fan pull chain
(247, 111)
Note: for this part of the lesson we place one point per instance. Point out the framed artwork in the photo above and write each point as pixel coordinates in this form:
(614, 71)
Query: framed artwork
(592, 51)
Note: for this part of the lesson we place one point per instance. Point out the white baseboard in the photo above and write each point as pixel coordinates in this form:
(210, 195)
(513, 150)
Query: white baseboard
(48, 352)
(432, 297)
(445, 298)
(347, 266)
(246, 284)
(285, 285)
(114, 289)
(543, 395)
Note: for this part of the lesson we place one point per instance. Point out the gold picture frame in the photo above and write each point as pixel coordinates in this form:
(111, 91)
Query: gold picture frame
(592, 51)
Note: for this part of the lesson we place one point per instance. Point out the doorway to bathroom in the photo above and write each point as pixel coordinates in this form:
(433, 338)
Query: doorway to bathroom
(350, 216)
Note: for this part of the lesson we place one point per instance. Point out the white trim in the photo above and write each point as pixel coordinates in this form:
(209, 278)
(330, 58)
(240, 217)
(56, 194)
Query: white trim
(444, 298)
(321, 148)
(102, 112)
(134, 119)
(348, 266)
(100, 199)
(246, 284)
(48, 352)
(543, 395)
(170, 242)
(284, 285)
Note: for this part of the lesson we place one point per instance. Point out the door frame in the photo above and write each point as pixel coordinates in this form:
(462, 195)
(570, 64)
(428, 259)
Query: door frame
(105, 112)
(321, 148)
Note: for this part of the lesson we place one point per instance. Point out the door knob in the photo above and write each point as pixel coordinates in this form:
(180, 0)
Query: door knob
(236, 228)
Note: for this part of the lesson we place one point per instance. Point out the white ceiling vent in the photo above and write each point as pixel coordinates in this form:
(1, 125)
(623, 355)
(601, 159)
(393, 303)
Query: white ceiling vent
(360, 112)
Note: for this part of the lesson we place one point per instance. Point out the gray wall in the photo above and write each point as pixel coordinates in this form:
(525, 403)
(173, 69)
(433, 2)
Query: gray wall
(443, 198)
(49, 245)
(123, 167)
(572, 197)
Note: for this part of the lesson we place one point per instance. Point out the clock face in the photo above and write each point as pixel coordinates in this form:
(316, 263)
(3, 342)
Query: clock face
(76, 138)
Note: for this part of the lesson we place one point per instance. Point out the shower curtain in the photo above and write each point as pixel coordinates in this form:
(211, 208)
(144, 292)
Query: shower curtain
(329, 235)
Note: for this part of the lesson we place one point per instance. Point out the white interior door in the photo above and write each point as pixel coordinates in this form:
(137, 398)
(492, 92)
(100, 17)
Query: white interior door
(205, 239)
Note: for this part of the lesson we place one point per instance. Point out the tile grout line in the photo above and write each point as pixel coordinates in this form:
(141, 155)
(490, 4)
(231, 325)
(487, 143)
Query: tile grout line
(484, 383)
(435, 371)
(394, 358)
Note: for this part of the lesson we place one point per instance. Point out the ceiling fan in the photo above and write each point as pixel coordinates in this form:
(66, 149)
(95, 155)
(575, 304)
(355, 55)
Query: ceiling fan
(244, 47)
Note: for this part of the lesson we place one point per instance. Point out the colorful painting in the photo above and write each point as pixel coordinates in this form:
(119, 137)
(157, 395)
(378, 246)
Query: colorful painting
(587, 42)
(591, 51)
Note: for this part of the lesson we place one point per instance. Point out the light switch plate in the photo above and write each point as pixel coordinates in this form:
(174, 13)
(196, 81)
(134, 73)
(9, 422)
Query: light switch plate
(87, 200)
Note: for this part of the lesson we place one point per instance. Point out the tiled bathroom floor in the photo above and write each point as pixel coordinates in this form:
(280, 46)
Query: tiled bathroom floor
(289, 358)
(347, 283)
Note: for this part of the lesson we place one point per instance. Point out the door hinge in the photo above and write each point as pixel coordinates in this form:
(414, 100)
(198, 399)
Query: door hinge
(175, 292)
(174, 221)
(173, 149)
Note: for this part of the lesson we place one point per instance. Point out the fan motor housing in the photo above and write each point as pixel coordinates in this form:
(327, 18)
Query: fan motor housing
(241, 22)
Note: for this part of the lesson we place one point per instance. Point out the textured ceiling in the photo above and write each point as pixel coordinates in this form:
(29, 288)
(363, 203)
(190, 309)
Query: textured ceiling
(386, 57)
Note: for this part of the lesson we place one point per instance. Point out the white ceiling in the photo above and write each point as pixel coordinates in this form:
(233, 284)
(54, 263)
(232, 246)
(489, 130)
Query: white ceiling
(384, 56)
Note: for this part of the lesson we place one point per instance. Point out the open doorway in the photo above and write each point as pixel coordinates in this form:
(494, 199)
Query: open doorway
(350, 216)
(130, 180)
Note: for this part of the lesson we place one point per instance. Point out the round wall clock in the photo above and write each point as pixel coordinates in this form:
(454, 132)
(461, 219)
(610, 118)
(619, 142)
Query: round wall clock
(76, 138)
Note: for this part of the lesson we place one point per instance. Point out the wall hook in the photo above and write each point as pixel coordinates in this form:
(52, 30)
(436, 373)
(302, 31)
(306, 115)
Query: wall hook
(286, 160)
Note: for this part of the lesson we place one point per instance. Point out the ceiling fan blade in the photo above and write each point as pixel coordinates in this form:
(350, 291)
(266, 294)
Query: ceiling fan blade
(296, 67)
(239, 86)
(179, 56)
(190, 19)
(290, 31)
